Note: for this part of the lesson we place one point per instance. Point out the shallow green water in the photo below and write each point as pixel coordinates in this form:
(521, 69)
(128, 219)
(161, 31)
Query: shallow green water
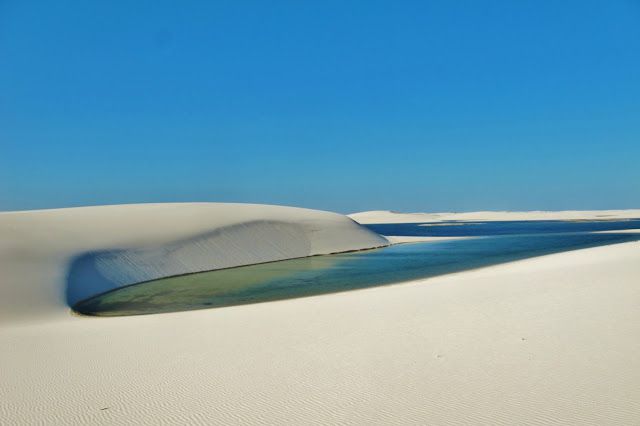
(332, 273)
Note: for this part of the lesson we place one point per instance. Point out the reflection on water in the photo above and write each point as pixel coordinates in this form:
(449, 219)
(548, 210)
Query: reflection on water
(333, 273)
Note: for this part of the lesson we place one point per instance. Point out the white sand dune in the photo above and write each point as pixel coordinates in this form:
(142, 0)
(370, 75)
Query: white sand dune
(548, 340)
(385, 216)
(52, 258)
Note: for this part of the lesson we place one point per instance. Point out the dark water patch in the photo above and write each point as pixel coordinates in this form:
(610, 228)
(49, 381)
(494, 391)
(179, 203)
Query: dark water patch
(477, 229)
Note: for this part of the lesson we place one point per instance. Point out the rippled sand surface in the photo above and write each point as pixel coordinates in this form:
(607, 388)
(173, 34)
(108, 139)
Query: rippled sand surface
(549, 340)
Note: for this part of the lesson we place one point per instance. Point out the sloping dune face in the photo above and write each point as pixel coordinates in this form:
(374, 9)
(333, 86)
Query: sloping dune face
(51, 259)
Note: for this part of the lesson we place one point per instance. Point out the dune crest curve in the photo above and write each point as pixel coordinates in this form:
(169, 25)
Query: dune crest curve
(51, 259)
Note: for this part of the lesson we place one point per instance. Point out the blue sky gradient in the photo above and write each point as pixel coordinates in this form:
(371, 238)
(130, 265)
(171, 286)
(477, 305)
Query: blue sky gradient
(345, 106)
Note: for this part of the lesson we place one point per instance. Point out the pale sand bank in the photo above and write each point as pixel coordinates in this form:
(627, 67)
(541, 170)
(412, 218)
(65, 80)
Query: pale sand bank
(545, 340)
(385, 216)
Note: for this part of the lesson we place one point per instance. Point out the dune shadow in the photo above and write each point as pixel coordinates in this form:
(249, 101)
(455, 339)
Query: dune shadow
(84, 278)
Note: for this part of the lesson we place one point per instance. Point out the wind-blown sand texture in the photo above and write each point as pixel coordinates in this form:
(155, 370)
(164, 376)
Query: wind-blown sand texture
(548, 340)
(385, 216)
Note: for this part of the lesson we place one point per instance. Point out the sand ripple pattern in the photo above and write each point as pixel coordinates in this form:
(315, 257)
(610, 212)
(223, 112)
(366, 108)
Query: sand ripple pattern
(547, 341)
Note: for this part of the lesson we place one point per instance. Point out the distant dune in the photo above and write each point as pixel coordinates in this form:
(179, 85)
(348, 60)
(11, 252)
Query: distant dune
(386, 216)
(52, 258)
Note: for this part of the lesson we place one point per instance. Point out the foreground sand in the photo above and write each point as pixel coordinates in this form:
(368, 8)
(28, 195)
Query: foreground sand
(385, 216)
(549, 340)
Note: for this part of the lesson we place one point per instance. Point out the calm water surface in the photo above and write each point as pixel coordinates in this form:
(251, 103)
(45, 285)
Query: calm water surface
(475, 229)
(495, 242)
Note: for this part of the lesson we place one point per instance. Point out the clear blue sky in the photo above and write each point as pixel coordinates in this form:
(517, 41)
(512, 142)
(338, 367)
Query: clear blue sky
(345, 105)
